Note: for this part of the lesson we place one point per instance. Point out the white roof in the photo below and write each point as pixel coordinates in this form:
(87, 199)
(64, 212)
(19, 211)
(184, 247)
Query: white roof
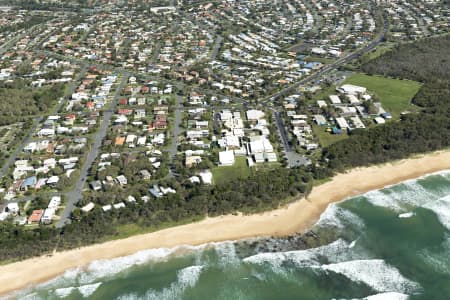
(352, 89)
(194, 179)
(54, 202)
(48, 213)
(88, 207)
(226, 157)
(3, 216)
(353, 99)
(335, 99)
(342, 123)
(167, 190)
(119, 205)
(254, 114)
(232, 141)
(257, 146)
(379, 120)
(357, 122)
(206, 176)
(13, 206)
(53, 179)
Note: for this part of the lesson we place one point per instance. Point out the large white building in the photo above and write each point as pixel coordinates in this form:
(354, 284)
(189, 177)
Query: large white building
(351, 89)
(226, 158)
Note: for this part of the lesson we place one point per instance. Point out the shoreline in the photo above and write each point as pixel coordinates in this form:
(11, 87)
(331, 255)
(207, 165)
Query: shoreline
(296, 217)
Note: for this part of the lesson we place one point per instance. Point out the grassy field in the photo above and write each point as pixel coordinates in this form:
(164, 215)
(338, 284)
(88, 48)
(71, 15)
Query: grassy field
(395, 95)
(323, 94)
(240, 169)
(323, 60)
(326, 138)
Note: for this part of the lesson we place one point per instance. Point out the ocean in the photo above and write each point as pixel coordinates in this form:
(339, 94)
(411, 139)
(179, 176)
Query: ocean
(392, 243)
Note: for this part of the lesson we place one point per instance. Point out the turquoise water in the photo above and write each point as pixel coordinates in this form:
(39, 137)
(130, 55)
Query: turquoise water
(392, 243)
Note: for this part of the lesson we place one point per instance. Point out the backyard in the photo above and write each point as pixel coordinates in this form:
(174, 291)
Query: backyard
(240, 169)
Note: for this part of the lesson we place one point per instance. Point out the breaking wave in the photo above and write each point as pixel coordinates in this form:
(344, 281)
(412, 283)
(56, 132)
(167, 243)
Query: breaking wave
(388, 296)
(64, 292)
(338, 217)
(88, 289)
(186, 278)
(441, 208)
(374, 273)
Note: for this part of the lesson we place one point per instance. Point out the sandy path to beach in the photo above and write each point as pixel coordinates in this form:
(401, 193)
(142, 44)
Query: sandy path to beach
(296, 217)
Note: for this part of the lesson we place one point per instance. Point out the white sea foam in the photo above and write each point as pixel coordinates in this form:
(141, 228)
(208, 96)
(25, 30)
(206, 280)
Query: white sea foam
(406, 215)
(88, 289)
(375, 273)
(388, 296)
(413, 193)
(352, 244)
(67, 279)
(336, 216)
(381, 199)
(334, 252)
(111, 267)
(301, 258)
(401, 197)
(64, 292)
(32, 296)
(186, 278)
(226, 252)
(441, 208)
(438, 258)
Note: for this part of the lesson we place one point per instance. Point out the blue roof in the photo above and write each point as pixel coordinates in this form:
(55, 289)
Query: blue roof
(312, 64)
(336, 130)
(155, 191)
(30, 181)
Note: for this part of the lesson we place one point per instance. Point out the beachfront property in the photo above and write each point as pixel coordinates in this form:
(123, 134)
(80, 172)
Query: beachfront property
(136, 70)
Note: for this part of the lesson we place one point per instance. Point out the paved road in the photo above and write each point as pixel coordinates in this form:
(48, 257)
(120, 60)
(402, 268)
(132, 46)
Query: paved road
(216, 48)
(71, 89)
(19, 149)
(75, 194)
(294, 159)
(156, 52)
(38, 120)
(12, 42)
(175, 131)
(282, 131)
(329, 67)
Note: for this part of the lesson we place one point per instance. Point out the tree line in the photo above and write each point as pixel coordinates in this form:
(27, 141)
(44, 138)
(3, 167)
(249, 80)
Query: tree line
(261, 191)
(18, 101)
(427, 130)
(426, 61)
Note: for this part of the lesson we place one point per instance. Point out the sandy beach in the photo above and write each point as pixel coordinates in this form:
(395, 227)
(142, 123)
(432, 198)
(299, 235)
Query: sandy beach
(295, 217)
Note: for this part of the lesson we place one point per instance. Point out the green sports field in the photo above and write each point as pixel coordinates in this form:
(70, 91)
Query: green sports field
(395, 94)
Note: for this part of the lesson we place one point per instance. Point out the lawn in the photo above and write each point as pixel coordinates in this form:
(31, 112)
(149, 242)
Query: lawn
(380, 50)
(324, 93)
(323, 60)
(240, 169)
(395, 94)
(326, 138)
